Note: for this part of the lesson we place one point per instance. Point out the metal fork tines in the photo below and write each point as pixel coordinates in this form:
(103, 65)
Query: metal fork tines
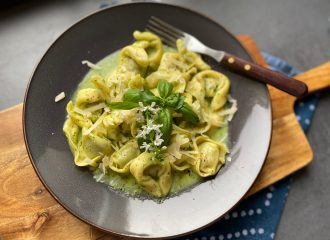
(168, 33)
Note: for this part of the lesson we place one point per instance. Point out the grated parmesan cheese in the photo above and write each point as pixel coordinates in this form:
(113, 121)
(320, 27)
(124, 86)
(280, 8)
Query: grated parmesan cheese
(98, 178)
(95, 107)
(98, 122)
(233, 107)
(230, 112)
(91, 65)
(60, 97)
(174, 148)
(88, 111)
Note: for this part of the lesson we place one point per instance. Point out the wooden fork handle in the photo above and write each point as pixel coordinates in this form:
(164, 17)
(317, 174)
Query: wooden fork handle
(257, 72)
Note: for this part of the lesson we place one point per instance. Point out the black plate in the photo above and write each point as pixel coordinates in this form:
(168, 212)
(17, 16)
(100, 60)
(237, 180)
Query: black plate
(60, 69)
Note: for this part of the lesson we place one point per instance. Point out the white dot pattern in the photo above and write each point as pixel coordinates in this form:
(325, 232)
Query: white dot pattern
(261, 231)
(243, 213)
(242, 234)
(267, 203)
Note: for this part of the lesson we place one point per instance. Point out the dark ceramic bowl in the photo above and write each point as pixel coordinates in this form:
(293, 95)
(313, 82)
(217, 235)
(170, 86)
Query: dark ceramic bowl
(60, 69)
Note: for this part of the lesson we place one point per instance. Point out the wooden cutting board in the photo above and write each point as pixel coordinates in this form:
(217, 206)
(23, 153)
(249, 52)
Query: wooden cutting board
(27, 210)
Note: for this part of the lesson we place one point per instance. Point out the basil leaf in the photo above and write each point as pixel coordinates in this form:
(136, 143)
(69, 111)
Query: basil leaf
(172, 100)
(133, 95)
(164, 88)
(188, 114)
(123, 105)
(145, 96)
(180, 103)
(148, 97)
(165, 118)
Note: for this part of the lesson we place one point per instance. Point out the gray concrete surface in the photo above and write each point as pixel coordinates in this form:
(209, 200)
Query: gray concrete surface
(295, 30)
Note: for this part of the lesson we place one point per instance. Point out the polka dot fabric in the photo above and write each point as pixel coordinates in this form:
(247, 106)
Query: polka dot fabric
(256, 217)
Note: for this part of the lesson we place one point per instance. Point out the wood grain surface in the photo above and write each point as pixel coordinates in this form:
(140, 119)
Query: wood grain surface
(265, 75)
(27, 211)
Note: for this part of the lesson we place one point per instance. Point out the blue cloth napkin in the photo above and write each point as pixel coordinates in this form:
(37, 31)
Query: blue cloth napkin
(257, 217)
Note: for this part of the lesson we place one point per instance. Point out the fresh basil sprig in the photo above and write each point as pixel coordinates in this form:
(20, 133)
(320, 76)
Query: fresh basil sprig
(176, 102)
(166, 100)
(159, 137)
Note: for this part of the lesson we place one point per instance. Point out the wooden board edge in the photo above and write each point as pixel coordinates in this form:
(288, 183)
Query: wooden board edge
(12, 108)
(250, 45)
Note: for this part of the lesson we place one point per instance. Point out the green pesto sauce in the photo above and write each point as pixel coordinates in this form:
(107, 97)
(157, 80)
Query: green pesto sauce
(125, 182)
(107, 64)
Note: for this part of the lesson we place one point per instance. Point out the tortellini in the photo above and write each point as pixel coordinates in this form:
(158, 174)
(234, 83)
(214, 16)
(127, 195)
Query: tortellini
(209, 84)
(91, 149)
(210, 156)
(120, 160)
(177, 68)
(154, 176)
(152, 45)
(71, 131)
(104, 139)
(78, 119)
(88, 96)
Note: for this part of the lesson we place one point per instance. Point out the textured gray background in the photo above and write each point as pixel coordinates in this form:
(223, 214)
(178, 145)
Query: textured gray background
(295, 30)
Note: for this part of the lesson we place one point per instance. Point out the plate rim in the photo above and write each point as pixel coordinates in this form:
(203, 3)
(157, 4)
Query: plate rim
(24, 112)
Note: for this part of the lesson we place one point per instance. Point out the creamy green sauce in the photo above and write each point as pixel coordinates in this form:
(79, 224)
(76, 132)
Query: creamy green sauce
(125, 182)
(107, 64)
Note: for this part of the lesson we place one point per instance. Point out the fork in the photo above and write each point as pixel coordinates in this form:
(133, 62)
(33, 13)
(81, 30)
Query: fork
(169, 34)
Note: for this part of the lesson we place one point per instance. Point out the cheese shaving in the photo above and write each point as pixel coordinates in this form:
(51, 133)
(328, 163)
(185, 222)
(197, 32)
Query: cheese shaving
(91, 65)
(60, 97)
(98, 122)
(88, 111)
(81, 111)
(174, 148)
(99, 177)
(230, 112)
